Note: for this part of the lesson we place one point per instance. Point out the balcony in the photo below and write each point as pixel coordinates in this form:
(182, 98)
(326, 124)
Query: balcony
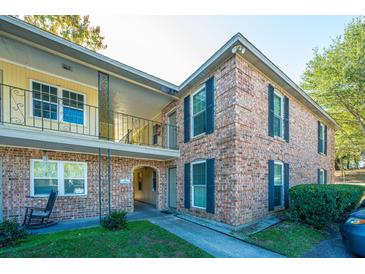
(43, 119)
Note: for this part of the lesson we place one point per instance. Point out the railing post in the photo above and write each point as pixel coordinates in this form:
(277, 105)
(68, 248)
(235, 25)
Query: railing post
(42, 114)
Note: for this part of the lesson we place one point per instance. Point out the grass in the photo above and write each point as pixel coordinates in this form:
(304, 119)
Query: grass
(140, 239)
(288, 238)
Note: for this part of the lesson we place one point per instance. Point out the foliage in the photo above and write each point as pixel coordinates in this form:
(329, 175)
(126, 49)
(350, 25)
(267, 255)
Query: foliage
(335, 78)
(321, 205)
(11, 231)
(74, 28)
(142, 239)
(115, 220)
(288, 238)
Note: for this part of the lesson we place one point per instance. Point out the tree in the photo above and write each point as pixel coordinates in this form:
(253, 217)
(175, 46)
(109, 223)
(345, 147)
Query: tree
(74, 28)
(335, 78)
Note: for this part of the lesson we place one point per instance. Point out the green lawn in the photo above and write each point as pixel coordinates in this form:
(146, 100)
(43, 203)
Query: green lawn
(287, 238)
(141, 239)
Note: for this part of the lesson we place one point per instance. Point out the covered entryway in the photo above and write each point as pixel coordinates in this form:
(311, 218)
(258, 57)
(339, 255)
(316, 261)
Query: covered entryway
(145, 185)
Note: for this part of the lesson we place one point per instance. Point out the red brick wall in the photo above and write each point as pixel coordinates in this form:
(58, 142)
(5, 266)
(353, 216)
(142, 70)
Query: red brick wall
(241, 145)
(16, 184)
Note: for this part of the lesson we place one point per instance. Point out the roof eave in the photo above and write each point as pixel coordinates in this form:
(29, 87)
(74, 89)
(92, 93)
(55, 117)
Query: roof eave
(258, 59)
(16, 26)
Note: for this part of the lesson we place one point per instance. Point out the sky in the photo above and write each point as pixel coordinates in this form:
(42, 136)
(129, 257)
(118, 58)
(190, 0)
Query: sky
(173, 47)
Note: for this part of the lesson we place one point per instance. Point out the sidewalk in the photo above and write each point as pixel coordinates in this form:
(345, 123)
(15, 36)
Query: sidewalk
(215, 243)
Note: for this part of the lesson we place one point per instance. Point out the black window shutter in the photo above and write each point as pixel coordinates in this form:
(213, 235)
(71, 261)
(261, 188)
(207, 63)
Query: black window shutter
(187, 185)
(286, 119)
(210, 185)
(318, 176)
(325, 139)
(271, 184)
(271, 110)
(186, 119)
(209, 92)
(325, 176)
(319, 139)
(286, 185)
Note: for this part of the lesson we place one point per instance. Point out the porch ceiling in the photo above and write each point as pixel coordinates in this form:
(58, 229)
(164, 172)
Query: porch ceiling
(135, 100)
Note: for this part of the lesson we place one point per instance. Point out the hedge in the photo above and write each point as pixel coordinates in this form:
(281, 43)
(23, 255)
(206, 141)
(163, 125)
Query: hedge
(320, 205)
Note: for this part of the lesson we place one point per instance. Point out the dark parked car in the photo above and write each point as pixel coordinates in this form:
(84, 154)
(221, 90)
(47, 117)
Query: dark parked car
(353, 231)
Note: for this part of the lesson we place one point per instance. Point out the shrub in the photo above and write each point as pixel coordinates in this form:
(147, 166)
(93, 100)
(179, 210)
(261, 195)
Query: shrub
(115, 220)
(11, 231)
(320, 205)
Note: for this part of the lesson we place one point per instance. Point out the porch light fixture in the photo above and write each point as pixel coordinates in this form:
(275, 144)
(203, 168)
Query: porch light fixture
(239, 49)
(45, 157)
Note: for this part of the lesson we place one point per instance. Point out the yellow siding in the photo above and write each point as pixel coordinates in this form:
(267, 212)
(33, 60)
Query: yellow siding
(17, 76)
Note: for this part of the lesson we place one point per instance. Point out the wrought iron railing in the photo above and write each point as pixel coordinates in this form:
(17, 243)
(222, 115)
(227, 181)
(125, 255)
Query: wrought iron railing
(48, 111)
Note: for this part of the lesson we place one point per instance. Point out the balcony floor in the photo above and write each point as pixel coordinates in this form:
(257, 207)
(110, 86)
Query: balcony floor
(11, 135)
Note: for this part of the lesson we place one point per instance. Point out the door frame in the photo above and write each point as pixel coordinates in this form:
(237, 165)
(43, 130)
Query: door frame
(168, 186)
(168, 114)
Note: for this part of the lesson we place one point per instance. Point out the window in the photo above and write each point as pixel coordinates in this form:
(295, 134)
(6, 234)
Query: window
(198, 112)
(68, 178)
(199, 184)
(45, 177)
(73, 107)
(322, 140)
(74, 178)
(154, 181)
(278, 115)
(44, 101)
(278, 183)
(156, 131)
(321, 176)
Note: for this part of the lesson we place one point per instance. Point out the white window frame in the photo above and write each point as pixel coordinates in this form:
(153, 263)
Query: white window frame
(192, 182)
(282, 183)
(60, 105)
(277, 93)
(60, 177)
(323, 140)
(192, 115)
(31, 81)
(322, 178)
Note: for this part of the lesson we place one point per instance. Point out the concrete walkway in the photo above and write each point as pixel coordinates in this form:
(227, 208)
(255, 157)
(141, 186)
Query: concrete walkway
(215, 243)
(142, 211)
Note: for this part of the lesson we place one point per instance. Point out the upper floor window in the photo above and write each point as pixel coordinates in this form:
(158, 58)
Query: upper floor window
(198, 123)
(278, 115)
(44, 102)
(73, 107)
(322, 139)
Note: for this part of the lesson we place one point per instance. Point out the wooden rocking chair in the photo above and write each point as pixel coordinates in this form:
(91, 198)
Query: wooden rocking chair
(39, 217)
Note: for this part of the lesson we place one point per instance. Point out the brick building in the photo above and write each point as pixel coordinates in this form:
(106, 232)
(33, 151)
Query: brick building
(226, 144)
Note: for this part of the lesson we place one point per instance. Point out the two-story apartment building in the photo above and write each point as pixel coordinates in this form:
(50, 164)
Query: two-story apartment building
(226, 144)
